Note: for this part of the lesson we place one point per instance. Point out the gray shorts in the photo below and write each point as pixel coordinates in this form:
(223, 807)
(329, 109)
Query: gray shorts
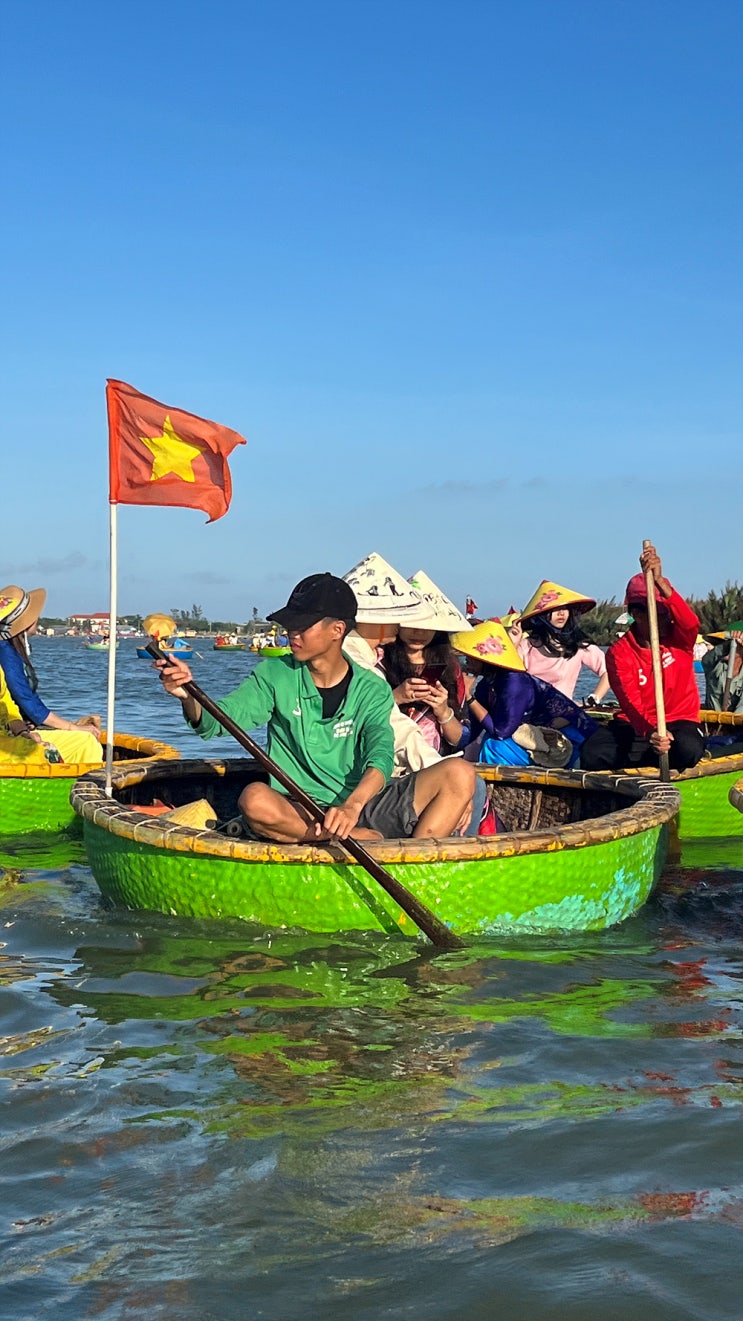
(391, 811)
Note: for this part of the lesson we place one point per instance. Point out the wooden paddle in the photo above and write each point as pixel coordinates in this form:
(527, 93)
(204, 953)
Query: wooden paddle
(660, 706)
(729, 675)
(436, 930)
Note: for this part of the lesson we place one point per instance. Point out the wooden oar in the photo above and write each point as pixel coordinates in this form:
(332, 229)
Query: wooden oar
(660, 706)
(729, 675)
(436, 930)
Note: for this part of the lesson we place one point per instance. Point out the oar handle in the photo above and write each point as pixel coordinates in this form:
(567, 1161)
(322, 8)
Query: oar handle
(436, 930)
(660, 706)
(729, 674)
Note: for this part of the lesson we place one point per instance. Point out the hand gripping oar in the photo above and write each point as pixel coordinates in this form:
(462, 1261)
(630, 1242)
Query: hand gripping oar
(660, 706)
(436, 930)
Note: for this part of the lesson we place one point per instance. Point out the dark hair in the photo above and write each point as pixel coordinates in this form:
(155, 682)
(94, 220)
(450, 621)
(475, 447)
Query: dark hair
(20, 644)
(439, 651)
(556, 641)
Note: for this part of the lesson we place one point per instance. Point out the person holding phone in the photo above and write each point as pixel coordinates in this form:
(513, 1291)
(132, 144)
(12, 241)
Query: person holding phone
(423, 671)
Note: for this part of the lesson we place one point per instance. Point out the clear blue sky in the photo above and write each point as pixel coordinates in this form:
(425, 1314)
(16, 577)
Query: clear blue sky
(467, 274)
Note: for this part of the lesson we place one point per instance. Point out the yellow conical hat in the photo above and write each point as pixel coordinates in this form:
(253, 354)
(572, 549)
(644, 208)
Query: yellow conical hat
(159, 626)
(724, 633)
(551, 596)
(510, 619)
(382, 594)
(442, 614)
(489, 642)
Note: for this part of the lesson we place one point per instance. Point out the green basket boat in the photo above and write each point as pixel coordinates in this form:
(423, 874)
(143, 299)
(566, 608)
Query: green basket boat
(579, 855)
(36, 797)
(705, 811)
(267, 653)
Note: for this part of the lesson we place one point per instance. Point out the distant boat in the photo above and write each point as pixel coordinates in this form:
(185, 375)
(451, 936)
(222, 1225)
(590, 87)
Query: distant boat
(98, 644)
(224, 644)
(174, 646)
(267, 652)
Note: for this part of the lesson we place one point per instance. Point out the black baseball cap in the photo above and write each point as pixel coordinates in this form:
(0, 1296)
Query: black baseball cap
(321, 596)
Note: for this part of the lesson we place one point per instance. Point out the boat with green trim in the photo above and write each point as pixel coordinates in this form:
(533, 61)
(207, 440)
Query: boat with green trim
(577, 855)
(269, 652)
(35, 796)
(705, 813)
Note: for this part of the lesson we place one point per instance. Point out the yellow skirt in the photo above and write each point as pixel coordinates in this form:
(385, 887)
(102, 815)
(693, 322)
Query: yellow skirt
(20, 751)
(75, 746)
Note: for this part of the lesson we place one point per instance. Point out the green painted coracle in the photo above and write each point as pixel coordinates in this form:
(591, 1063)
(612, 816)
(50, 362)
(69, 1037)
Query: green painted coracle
(705, 808)
(578, 855)
(36, 797)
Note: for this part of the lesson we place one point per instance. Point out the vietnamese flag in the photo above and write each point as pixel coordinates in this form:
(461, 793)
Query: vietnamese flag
(163, 456)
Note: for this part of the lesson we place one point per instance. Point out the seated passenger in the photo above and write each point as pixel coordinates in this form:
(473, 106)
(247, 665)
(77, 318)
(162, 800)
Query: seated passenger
(383, 598)
(424, 673)
(19, 741)
(550, 641)
(329, 729)
(631, 738)
(76, 742)
(716, 666)
(503, 697)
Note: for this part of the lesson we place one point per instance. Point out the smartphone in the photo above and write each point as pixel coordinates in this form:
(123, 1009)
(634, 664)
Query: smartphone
(432, 674)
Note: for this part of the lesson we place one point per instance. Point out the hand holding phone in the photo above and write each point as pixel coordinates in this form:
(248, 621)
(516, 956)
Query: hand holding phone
(432, 674)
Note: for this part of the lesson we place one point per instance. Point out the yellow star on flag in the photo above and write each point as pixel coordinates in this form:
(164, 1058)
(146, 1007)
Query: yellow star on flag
(171, 454)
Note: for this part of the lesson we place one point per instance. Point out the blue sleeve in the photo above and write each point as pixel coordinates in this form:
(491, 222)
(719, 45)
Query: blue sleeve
(513, 703)
(30, 704)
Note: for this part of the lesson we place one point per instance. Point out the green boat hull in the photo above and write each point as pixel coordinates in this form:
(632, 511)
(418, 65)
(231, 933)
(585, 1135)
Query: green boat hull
(36, 798)
(580, 876)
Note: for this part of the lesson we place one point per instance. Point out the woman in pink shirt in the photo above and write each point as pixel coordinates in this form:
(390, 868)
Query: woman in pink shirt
(551, 644)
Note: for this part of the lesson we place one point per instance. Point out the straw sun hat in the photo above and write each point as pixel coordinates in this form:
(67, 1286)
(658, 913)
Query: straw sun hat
(19, 609)
(442, 615)
(489, 642)
(551, 596)
(382, 594)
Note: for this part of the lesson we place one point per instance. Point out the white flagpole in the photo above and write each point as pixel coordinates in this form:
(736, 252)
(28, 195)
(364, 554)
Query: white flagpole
(112, 606)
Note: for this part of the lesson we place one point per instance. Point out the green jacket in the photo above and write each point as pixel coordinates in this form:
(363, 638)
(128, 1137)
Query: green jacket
(326, 758)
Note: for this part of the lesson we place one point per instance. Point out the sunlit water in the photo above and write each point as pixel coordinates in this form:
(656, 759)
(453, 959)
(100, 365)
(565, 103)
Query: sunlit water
(203, 1121)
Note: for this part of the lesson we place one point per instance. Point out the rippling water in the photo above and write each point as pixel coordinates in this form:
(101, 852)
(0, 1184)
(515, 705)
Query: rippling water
(205, 1121)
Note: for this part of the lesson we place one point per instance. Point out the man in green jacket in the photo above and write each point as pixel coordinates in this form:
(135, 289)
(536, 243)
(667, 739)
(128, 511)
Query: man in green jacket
(329, 728)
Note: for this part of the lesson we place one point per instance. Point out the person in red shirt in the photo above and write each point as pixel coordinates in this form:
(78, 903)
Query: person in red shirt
(631, 738)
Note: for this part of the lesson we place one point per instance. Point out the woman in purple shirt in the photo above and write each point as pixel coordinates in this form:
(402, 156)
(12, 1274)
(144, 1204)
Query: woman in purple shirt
(503, 696)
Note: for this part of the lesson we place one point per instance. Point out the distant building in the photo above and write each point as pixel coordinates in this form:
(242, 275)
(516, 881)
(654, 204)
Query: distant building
(95, 623)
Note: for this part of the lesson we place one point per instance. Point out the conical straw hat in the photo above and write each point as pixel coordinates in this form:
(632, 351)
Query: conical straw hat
(551, 596)
(510, 619)
(489, 642)
(724, 633)
(442, 613)
(382, 594)
(159, 626)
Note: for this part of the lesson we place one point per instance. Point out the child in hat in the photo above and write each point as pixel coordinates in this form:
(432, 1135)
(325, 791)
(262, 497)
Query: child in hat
(551, 643)
(631, 738)
(503, 697)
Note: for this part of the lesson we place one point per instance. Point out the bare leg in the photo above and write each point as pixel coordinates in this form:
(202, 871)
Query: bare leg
(442, 793)
(274, 816)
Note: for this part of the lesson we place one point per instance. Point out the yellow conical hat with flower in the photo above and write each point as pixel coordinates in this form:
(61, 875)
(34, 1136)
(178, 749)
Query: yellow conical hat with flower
(551, 596)
(442, 613)
(489, 642)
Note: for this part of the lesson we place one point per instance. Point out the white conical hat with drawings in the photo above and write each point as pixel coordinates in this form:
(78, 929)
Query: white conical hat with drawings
(441, 613)
(383, 595)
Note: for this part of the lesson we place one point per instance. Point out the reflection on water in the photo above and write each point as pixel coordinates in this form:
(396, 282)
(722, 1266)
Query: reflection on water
(210, 1121)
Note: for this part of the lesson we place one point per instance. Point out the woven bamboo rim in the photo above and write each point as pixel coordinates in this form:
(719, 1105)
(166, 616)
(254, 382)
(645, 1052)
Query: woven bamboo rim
(650, 805)
(736, 795)
(139, 747)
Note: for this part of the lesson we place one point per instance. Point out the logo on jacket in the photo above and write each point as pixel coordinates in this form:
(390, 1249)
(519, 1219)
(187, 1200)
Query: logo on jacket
(342, 728)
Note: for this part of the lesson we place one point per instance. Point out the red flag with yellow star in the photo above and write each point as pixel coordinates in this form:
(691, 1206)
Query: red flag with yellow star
(163, 456)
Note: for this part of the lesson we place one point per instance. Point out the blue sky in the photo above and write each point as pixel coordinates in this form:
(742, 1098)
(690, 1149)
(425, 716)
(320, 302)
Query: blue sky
(467, 275)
